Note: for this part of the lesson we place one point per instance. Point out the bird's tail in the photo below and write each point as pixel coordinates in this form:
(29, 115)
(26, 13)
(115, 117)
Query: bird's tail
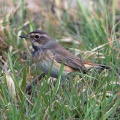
(89, 65)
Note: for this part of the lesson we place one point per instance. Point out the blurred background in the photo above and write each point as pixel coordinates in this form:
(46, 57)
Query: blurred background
(88, 23)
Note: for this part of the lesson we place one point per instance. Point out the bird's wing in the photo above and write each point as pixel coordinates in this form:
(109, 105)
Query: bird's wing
(62, 55)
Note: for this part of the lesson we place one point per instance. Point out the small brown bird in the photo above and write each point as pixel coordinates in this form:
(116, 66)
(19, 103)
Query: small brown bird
(48, 52)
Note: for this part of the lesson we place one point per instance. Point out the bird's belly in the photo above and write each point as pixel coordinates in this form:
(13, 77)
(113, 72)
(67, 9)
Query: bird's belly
(49, 66)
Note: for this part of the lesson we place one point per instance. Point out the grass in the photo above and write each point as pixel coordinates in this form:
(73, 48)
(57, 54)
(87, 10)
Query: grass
(92, 96)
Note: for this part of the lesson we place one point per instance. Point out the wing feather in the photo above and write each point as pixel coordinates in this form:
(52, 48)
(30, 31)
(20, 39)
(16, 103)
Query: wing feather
(62, 55)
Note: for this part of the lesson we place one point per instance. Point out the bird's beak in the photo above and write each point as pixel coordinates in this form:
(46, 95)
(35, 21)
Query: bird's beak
(26, 37)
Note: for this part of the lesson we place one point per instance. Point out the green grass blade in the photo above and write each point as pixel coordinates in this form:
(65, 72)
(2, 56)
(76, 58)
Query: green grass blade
(23, 84)
(58, 81)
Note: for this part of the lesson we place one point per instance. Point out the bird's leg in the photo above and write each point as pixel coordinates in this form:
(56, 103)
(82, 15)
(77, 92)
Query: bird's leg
(33, 82)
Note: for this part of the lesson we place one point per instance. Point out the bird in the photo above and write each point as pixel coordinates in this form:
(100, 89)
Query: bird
(49, 55)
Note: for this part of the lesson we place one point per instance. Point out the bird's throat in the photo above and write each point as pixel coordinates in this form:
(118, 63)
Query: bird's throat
(35, 47)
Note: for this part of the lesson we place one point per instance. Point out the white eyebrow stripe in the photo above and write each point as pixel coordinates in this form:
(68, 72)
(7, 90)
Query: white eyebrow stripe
(44, 35)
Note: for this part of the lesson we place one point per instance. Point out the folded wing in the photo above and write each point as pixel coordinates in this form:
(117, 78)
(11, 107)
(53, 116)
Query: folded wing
(62, 55)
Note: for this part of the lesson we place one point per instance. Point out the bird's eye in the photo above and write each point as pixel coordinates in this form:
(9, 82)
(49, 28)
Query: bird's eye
(37, 36)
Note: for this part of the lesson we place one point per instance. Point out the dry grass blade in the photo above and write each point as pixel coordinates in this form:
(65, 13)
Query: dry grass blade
(69, 40)
(96, 50)
(27, 49)
(89, 54)
(100, 47)
(10, 84)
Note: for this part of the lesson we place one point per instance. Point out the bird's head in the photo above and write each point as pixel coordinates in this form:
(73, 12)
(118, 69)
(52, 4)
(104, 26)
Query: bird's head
(37, 38)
